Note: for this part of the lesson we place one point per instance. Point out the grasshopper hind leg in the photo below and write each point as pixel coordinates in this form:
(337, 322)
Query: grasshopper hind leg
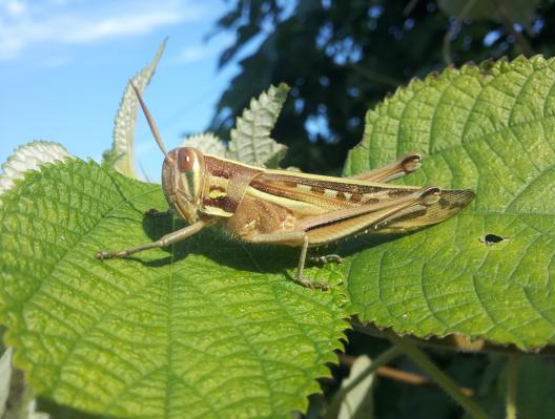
(404, 165)
(296, 239)
(300, 269)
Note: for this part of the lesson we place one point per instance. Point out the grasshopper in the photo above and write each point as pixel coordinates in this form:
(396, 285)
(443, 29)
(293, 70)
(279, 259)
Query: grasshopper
(259, 205)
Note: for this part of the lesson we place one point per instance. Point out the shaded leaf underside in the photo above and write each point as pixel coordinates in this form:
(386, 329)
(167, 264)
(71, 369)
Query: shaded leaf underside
(487, 128)
(122, 154)
(161, 334)
(250, 140)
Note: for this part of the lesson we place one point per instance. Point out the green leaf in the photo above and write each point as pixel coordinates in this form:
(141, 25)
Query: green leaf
(29, 157)
(207, 142)
(535, 385)
(250, 140)
(208, 328)
(5, 378)
(16, 399)
(122, 154)
(490, 128)
(359, 402)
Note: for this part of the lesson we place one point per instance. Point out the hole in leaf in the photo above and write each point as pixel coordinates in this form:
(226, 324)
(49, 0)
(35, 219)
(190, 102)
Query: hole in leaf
(491, 238)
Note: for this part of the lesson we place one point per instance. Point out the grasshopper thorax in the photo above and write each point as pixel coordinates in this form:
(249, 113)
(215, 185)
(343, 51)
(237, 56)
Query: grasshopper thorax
(182, 180)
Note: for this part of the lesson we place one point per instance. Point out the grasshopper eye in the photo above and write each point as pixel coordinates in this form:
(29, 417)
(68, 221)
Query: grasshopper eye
(188, 165)
(185, 160)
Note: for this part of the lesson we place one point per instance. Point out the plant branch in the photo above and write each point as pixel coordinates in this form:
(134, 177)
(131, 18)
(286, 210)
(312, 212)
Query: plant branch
(444, 381)
(410, 7)
(375, 76)
(414, 379)
(513, 363)
(401, 376)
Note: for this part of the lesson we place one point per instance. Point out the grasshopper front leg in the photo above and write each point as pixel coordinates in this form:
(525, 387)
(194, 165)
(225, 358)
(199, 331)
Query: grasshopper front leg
(165, 241)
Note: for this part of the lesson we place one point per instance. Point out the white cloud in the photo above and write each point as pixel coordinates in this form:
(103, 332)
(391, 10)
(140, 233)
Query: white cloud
(26, 23)
(14, 7)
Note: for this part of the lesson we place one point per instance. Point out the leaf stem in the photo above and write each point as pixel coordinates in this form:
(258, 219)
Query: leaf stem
(513, 363)
(444, 381)
(384, 358)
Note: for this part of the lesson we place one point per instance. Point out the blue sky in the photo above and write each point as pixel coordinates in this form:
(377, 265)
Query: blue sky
(64, 65)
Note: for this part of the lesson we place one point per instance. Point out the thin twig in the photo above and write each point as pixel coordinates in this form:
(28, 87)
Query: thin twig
(414, 379)
(402, 376)
(375, 76)
(410, 7)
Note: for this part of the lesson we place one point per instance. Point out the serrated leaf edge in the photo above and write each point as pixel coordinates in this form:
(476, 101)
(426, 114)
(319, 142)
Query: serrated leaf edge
(122, 154)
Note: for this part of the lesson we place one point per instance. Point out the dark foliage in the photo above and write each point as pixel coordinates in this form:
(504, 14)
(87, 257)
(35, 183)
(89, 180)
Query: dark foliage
(342, 57)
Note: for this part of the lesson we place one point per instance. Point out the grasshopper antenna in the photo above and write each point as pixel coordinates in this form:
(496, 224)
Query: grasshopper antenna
(150, 120)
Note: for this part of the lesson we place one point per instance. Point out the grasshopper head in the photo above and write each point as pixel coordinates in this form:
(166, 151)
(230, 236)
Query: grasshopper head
(182, 180)
(182, 173)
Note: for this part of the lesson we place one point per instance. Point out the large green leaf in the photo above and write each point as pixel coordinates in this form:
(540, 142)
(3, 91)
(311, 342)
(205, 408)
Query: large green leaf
(16, 399)
(29, 157)
(208, 328)
(490, 128)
